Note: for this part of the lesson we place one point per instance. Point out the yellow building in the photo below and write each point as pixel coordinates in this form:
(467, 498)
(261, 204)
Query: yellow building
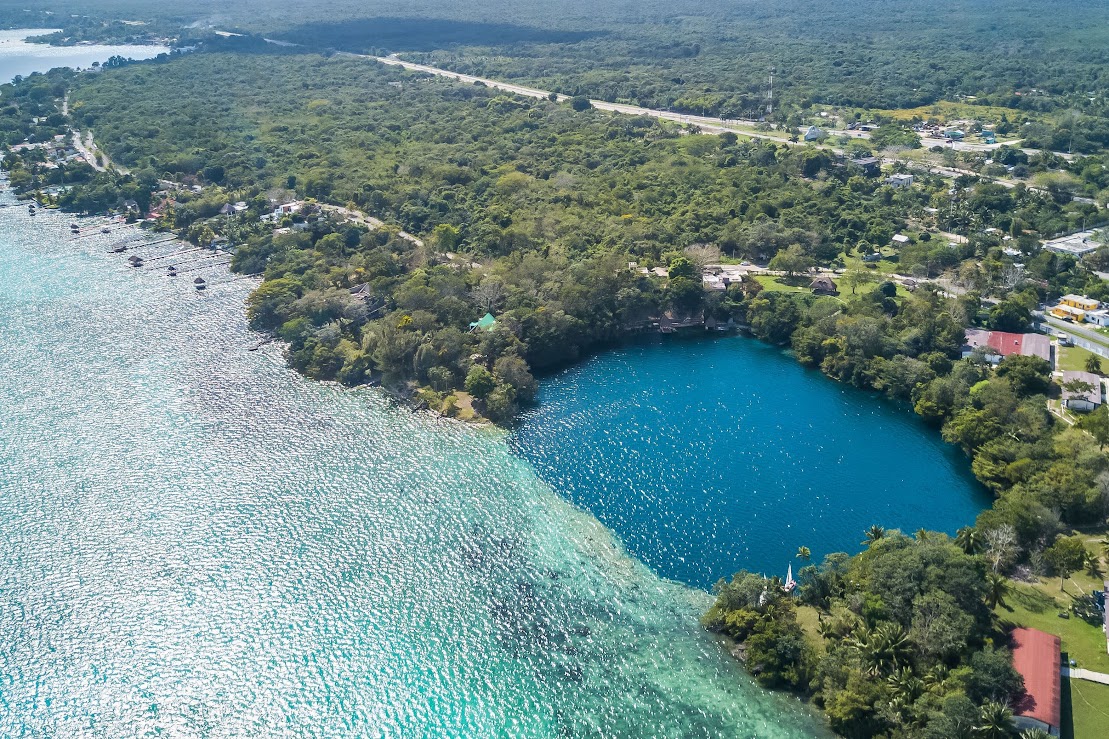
(1068, 313)
(1079, 301)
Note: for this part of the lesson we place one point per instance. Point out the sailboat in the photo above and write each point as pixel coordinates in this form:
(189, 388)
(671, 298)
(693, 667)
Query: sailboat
(790, 583)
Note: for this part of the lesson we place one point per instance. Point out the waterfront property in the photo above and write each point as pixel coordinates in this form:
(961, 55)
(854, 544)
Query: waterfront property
(999, 344)
(1037, 658)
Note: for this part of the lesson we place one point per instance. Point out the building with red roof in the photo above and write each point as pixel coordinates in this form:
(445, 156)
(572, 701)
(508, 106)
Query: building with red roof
(998, 344)
(1037, 658)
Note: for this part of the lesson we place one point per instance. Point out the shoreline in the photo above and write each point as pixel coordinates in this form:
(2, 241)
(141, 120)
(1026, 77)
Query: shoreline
(595, 541)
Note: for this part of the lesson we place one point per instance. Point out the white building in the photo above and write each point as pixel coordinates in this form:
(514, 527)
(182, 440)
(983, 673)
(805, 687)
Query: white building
(1074, 244)
(1098, 317)
(899, 180)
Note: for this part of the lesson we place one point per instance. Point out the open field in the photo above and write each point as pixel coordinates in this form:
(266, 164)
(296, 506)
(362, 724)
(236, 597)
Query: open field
(946, 110)
(1074, 358)
(1085, 710)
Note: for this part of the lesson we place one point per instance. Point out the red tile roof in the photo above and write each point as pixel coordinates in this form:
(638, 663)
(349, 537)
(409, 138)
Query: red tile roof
(1005, 343)
(1036, 657)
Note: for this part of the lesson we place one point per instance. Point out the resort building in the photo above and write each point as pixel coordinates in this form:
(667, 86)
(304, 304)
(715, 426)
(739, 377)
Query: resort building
(998, 344)
(1082, 400)
(1068, 313)
(1036, 657)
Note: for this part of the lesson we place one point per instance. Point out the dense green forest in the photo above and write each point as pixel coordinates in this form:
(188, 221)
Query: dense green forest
(531, 211)
(907, 647)
(702, 58)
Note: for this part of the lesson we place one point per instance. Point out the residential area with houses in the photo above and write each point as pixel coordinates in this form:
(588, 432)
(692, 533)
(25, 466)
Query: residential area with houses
(1080, 309)
(1081, 391)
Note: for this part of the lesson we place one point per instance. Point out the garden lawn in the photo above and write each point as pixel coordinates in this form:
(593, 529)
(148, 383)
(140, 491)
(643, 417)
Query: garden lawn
(1038, 608)
(1085, 710)
(1074, 358)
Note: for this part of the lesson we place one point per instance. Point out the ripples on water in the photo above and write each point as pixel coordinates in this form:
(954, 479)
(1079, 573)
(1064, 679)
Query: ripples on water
(196, 542)
(709, 456)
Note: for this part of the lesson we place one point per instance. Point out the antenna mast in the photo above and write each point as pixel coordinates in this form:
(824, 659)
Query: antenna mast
(770, 93)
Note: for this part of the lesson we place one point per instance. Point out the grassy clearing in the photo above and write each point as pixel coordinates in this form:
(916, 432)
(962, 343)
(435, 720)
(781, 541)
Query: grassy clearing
(1038, 606)
(809, 618)
(1074, 358)
(946, 110)
(1085, 710)
(782, 284)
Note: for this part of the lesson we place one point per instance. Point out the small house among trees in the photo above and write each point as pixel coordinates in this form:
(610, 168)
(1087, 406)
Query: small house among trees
(1081, 391)
(823, 285)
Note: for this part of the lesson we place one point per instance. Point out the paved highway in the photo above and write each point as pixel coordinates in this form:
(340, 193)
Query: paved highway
(1086, 338)
(705, 123)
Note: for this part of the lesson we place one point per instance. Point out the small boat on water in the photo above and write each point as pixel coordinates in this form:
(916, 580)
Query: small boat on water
(790, 583)
(172, 271)
(200, 283)
(135, 260)
(105, 230)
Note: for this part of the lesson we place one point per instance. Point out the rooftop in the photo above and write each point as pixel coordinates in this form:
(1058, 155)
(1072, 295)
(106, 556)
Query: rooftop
(1076, 244)
(1004, 344)
(1079, 299)
(1093, 395)
(1036, 657)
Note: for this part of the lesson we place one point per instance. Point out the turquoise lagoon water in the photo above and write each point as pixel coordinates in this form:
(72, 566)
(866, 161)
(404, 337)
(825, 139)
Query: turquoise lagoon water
(196, 542)
(709, 456)
(17, 57)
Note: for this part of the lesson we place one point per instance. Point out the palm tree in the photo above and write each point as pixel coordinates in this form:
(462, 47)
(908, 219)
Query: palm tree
(969, 540)
(923, 534)
(997, 587)
(1034, 734)
(995, 721)
(1105, 547)
(1093, 566)
(936, 680)
(873, 534)
(883, 648)
(803, 554)
(905, 685)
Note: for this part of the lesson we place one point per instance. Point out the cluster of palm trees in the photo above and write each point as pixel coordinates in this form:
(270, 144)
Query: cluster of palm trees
(886, 650)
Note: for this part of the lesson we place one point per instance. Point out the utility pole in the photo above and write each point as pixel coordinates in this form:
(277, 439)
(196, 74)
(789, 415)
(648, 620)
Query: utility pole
(770, 93)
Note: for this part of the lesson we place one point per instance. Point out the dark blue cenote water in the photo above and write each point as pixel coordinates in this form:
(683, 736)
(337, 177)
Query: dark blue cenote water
(710, 456)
